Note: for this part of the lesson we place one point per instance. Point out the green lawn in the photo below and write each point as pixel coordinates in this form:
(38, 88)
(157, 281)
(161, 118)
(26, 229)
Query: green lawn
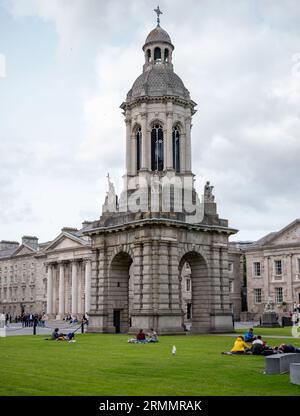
(107, 365)
(286, 331)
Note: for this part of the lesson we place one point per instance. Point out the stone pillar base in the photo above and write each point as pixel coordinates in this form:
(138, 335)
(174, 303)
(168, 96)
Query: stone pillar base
(97, 323)
(221, 323)
(162, 324)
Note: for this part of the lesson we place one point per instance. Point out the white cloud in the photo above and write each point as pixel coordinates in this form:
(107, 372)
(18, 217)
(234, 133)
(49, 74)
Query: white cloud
(240, 62)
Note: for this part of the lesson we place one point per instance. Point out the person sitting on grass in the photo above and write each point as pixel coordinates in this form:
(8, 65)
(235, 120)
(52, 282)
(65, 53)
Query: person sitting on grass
(141, 337)
(55, 334)
(249, 336)
(239, 347)
(258, 346)
(152, 336)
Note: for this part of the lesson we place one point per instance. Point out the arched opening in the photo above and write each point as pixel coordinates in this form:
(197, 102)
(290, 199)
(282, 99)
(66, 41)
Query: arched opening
(176, 149)
(157, 54)
(148, 54)
(119, 293)
(138, 148)
(157, 148)
(195, 293)
(166, 55)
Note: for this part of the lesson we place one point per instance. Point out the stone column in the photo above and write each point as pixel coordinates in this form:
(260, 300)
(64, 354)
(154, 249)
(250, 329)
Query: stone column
(188, 154)
(218, 298)
(50, 290)
(99, 290)
(168, 163)
(133, 166)
(128, 146)
(74, 288)
(182, 146)
(61, 291)
(161, 287)
(88, 276)
(147, 299)
(144, 140)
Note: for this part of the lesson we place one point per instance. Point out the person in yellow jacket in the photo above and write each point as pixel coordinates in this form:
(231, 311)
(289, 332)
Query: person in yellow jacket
(240, 346)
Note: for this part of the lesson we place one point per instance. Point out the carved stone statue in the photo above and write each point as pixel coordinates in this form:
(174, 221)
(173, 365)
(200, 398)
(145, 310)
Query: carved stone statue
(208, 195)
(110, 204)
(269, 307)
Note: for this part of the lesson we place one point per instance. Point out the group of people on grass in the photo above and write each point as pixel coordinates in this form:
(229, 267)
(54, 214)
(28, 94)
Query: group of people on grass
(250, 344)
(58, 336)
(141, 337)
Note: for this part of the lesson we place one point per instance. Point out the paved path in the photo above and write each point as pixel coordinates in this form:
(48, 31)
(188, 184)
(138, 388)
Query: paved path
(263, 336)
(16, 329)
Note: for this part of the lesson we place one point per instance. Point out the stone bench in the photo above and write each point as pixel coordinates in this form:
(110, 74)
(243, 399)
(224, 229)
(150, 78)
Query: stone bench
(295, 373)
(280, 363)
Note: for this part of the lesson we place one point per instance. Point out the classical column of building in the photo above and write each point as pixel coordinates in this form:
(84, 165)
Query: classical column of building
(58, 288)
(169, 138)
(144, 139)
(128, 147)
(88, 277)
(50, 289)
(74, 307)
(188, 154)
(61, 291)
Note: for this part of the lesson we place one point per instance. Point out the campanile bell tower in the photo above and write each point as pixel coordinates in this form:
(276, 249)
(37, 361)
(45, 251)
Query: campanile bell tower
(144, 238)
(158, 112)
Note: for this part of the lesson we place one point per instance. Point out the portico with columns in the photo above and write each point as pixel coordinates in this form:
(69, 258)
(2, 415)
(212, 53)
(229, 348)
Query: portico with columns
(68, 264)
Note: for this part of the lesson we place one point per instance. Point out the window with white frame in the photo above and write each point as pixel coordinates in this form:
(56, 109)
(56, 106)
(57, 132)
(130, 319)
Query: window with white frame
(230, 267)
(278, 267)
(298, 265)
(278, 295)
(257, 269)
(231, 287)
(257, 295)
(188, 285)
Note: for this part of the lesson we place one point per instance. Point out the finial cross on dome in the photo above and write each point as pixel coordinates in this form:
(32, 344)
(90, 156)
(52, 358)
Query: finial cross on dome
(158, 12)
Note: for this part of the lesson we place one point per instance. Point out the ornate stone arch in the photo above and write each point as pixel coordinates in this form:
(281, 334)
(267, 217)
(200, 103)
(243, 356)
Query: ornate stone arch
(154, 121)
(178, 123)
(201, 291)
(135, 127)
(124, 248)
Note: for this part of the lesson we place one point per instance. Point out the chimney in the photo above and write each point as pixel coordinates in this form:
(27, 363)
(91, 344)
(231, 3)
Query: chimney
(86, 223)
(5, 244)
(69, 229)
(30, 241)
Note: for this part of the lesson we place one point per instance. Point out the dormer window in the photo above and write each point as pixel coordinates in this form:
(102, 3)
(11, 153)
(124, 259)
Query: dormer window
(157, 54)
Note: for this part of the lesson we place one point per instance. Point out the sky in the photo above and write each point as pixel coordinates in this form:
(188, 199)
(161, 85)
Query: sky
(67, 65)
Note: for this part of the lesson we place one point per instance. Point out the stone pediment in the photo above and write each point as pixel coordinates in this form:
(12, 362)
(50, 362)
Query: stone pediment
(65, 242)
(23, 250)
(288, 235)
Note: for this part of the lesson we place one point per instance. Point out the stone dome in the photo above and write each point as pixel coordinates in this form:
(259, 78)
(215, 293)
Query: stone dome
(157, 82)
(158, 35)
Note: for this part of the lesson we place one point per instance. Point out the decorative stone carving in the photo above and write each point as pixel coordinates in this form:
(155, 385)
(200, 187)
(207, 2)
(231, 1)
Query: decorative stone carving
(111, 199)
(208, 195)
